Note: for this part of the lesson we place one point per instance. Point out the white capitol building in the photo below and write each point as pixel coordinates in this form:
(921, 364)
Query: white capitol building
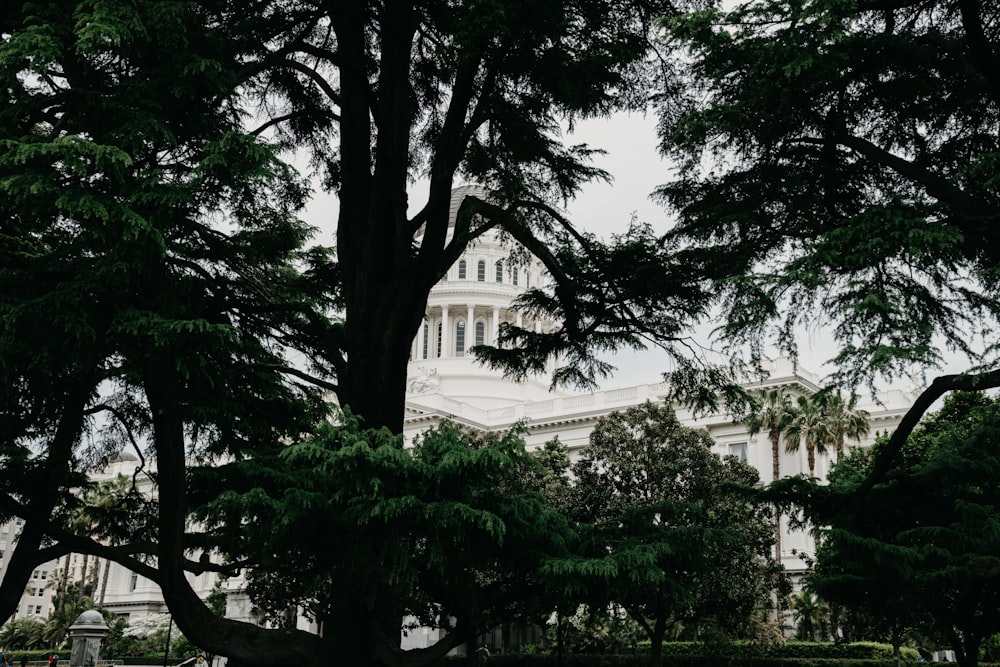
(466, 309)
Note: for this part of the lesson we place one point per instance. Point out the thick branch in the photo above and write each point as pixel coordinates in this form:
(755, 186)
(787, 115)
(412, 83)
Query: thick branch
(316, 78)
(939, 387)
(983, 57)
(936, 186)
(565, 288)
(301, 375)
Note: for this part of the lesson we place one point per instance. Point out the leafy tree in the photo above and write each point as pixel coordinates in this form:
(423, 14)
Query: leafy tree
(129, 317)
(77, 599)
(467, 507)
(23, 633)
(595, 629)
(552, 477)
(771, 411)
(863, 138)
(156, 287)
(925, 544)
(853, 148)
(807, 610)
(669, 540)
(808, 428)
(844, 419)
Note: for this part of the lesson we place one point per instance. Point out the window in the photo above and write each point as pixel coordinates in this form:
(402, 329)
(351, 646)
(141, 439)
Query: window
(43, 574)
(439, 340)
(739, 450)
(514, 276)
(481, 271)
(427, 335)
(460, 338)
(480, 333)
(132, 581)
(3, 537)
(38, 609)
(34, 575)
(19, 522)
(461, 270)
(1, 554)
(527, 279)
(499, 271)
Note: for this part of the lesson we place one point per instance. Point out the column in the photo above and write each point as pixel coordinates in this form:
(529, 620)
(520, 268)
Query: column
(496, 324)
(420, 340)
(470, 329)
(446, 350)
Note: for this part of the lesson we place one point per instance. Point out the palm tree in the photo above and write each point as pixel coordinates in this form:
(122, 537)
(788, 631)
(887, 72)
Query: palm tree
(810, 428)
(844, 419)
(771, 411)
(808, 612)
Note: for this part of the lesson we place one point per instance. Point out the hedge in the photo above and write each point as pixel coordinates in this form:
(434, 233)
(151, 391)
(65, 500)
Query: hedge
(791, 649)
(677, 661)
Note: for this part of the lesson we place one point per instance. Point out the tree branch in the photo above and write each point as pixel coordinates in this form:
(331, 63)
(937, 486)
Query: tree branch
(316, 78)
(301, 375)
(982, 55)
(104, 407)
(940, 386)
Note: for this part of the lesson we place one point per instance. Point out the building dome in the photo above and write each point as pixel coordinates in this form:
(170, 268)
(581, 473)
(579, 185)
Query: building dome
(465, 309)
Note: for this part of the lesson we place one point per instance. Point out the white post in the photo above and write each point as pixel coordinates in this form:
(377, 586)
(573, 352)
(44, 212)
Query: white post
(420, 340)
(445, 350)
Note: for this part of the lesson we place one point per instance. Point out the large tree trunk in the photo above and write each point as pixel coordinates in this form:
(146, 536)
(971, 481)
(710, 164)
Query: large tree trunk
(659, 629)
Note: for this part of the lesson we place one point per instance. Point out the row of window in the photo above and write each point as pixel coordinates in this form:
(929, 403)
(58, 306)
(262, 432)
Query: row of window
(497, 272)
(480, 338)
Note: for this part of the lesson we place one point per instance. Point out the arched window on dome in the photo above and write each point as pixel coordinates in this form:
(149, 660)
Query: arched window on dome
(460, 338)
(499, 271)
(461, 270)
(480, 333)
(427, 336)
(481, 271)
(439, 340)
(513, 276)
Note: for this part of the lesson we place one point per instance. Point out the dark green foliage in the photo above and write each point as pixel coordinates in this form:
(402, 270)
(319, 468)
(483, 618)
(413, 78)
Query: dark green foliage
(157, 293)
(668, 534)
(121, 149)
(923, 551)
(838, 164)
(456, 523)
(699, 656)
